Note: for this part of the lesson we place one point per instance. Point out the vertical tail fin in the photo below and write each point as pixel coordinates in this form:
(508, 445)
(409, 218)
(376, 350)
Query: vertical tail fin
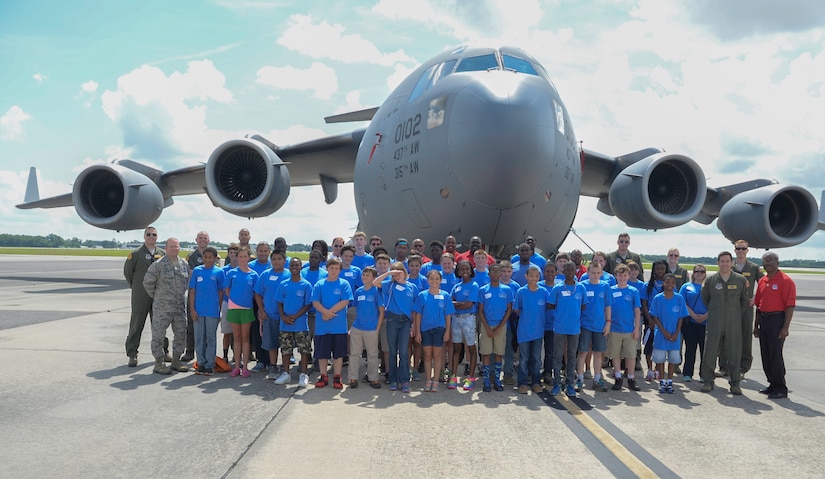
(33, 190)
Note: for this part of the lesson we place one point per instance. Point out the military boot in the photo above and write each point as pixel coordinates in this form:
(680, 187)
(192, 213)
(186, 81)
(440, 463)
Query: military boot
(161, 368)
(178, 366)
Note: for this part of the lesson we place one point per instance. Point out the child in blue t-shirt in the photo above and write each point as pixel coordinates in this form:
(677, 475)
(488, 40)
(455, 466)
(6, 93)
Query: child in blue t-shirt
(240, 288)
(433, 310)
(369, 314)
(331, 297)
(625, 328)
(550, 280)
(463, 331)
(569, 300)
(265, 297)
(595, 327)
(531, 301)
(494, 307)
(399, 296)
(205, 298)
(667, 310)
(294, 298)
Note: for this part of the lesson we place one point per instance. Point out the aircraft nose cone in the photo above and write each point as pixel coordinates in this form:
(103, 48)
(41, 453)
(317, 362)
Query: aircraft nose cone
(502, 133)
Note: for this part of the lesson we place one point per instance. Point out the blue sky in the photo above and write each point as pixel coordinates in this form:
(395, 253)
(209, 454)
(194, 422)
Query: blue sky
(738, 85)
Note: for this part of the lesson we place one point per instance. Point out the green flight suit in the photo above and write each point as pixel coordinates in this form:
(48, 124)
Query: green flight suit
(725, 301)
(134, 269)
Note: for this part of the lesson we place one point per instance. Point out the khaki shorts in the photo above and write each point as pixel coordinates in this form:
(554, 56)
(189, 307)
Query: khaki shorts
(621, 345)
(495, 345)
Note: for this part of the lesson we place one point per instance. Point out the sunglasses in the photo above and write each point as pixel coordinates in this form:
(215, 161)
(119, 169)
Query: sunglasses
(624, 241)
(700, 271)
(151, 234)
(740, 248)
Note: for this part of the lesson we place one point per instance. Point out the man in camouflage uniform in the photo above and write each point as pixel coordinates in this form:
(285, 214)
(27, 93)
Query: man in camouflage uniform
(194, 259)
(134, 269)
(167, 282)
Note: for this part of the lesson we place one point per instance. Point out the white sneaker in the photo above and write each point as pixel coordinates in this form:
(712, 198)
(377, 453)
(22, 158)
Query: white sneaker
(284, 378)
(272, 372)
(303, 380)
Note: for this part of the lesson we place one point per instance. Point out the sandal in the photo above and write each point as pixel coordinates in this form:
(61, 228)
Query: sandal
(353, 383)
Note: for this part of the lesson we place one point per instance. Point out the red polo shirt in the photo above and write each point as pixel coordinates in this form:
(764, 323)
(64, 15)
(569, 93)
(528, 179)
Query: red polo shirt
(775, 294)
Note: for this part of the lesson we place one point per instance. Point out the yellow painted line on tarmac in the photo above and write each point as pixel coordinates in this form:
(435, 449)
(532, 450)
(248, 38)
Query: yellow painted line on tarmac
(622, 454)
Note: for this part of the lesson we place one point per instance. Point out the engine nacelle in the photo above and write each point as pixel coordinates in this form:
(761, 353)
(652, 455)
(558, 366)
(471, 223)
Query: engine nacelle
(660, 191)
(116, 198)
(773, 216)
(246, 178)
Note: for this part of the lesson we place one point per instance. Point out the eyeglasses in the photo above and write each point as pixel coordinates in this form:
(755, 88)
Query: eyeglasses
(151, 234)
(741, 248)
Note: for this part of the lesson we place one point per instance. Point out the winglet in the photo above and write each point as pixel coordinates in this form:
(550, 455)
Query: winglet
(360, 115)
(32, 190)
(821, 225)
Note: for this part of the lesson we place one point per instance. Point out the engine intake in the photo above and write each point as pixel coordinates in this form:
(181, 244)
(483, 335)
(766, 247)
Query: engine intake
(660, 191)
(772, 216)
(117, 198)
(246, 178)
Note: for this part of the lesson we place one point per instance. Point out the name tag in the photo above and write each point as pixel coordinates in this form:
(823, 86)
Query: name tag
(675, 309)
(200, 279)
(746, 274)
(398, 287)
(565, 293)
(677, 276)
(362, 298)
(541, 302)
(617, 294)
(457, 289)
(439, 296)
(591, 294)
(348, 274)
(273, 278)
(732, 286)
(488, 295)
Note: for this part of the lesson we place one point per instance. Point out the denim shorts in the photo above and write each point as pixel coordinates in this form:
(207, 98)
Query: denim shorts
(594, 339)
(433, 337)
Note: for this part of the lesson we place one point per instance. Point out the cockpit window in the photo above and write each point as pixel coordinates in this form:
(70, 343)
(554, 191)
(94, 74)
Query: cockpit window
(479, 63)
(444, 69)
(422, 84)
(518, 65)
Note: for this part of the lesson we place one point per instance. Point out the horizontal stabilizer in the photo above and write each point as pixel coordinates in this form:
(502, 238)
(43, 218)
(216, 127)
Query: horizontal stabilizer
(31, 199)
(360, 115)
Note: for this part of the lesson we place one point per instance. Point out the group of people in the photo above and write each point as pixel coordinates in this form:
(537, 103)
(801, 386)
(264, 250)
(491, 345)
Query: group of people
(410, 314)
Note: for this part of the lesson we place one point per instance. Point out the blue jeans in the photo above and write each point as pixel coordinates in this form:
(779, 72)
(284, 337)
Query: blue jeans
(558, 353)
(549, 343)
(206, 329)
(529, 362)
(511, 344)
(398, 335)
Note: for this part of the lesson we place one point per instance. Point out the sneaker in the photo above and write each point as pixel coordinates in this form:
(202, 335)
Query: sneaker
(469, 384)
(292, 360)
(687, 379)
(405, 388)
(735, 390)
(336, 382)
(707, 387)
(571, 391)
(209, 372)
(649, 376)
(556, 390)
(434, 387)
(200, 369)
(509, 380)
(523, 389)
(631, 384)
(662, 387)
(322, 381)
(393, 386)
(132, 361)
(187, 356)
(259, 366)
(272, 372)
(283, 378)
(303, 380)
(497, 385)
(466, 369)
(656, 376)
(579, 385)
(453, 383)
(235, 372)
(245, 373)
(600, 385)
(617, 386)
(486, 388)
(537, 388)
(588, 375)
(416, 376)
(669, 388)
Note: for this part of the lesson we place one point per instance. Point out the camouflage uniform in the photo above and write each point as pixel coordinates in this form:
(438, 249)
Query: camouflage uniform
(134, 269)
(167, 281)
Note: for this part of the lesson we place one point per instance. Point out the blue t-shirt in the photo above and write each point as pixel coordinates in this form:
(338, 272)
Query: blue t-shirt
(294, 295)
(531, 306)
(434, 309)
(399, 298)
(549, 314)
(353, 276)
(520, 273)
(241, 287)
(495, 301)
(641, 287)
(692, 293)
(329, 293)
(367, 303)
(598, 297)
(363, 261)
(658, 287)
(313, 277)
(607, 277)
(420, 282)
(622, 309)
(432, 265)
(207, 283)
(568, 300)
(260, 267)
(448, 281)
(482, 278)
(669, 311)
(535, 258)
(267, 288)
(465, 292)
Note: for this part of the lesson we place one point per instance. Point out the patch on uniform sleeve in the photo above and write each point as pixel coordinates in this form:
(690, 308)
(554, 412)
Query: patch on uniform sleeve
(129, 257)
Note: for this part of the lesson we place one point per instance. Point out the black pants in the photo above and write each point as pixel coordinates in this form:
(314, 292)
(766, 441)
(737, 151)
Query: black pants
(694, 335)
(771, 348)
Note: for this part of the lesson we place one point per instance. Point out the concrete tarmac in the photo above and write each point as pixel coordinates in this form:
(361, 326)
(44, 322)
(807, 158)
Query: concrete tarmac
(71, 407)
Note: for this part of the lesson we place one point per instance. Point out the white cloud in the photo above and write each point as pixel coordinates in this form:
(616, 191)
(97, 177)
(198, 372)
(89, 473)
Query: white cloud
(89, 87)
(318, 78)
(11, 123)
(325, 40)
(162, 116)
(39, 77)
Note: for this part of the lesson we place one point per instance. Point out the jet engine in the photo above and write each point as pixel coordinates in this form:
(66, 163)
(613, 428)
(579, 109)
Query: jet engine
(116, 198)
(660, 191)
(772, 216)
(246, 178)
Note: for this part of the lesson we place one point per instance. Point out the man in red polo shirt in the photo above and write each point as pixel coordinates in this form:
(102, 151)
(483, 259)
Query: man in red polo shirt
(775, 300)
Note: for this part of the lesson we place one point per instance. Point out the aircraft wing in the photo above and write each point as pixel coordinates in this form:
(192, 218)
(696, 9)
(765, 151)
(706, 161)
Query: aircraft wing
(652, 189)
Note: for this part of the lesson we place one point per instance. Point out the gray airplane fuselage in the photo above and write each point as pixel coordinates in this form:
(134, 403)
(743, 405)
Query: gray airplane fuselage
(488, 152)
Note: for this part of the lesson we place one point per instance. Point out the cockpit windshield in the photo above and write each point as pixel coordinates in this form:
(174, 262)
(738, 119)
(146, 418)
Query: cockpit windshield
(479, 63)
(518, 65)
